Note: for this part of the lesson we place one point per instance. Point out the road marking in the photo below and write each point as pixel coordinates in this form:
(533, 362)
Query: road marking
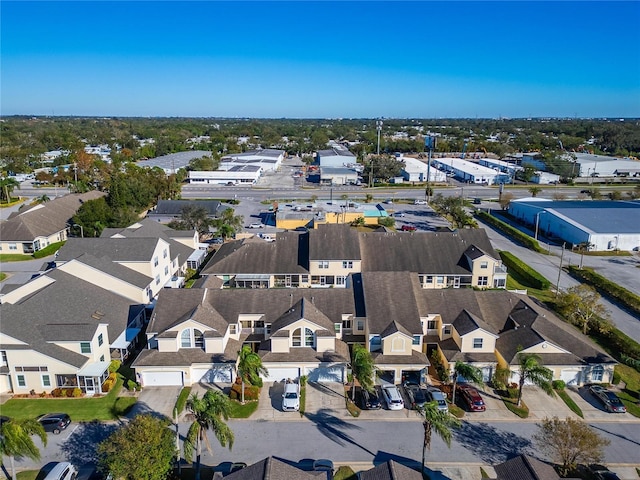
(72, 431)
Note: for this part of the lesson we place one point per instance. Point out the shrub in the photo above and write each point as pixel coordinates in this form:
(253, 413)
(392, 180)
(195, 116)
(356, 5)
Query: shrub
(523, 238)
(43, 394)
(303, 380)
(132, 386)
(114, 366)
(558, 384)
(57, 392)
(524, 271)
(607, 287)
(107, 385)
(76, 392)
(251, 392)
(512, 392)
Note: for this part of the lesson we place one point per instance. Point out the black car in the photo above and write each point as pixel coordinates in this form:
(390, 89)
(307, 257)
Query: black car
(369, 400)
(55, 422)
(416, 395)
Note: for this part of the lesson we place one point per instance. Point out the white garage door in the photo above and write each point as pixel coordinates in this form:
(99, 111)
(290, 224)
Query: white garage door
(570, 377)
(212, 375)
(161, 379)
(325, 374)
(280, 374)
(515, 378)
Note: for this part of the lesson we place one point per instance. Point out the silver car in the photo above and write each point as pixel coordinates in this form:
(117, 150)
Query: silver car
(435, 395)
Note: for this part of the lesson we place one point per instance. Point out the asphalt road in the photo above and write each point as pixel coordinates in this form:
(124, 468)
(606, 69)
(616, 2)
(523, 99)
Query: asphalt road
(355, 442)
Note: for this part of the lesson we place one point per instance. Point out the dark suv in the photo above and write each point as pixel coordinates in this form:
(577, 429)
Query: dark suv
(54, 422)
(369, 400)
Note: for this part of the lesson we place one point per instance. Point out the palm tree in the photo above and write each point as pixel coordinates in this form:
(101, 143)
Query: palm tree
(228, 223)
(207, 413)
(16, 442)
(362, 368)
(42, 199)
(249, 366)
(466, 371)
(6, 188)
(531, 369)
(436, 420)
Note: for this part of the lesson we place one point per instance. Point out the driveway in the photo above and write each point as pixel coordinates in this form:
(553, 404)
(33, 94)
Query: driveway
(327, 398)
(156, 401)
(270, 405)
(593, 410)
(542, 405)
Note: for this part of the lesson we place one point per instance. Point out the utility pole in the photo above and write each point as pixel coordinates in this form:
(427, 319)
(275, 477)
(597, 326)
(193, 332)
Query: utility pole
(379, 128)
(429, 145)
(560, 270)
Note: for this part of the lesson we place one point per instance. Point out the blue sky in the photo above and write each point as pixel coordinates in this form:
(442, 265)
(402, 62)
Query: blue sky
(321, 59)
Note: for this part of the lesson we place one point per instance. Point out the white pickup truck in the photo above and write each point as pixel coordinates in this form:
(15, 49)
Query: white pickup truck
(291, 397)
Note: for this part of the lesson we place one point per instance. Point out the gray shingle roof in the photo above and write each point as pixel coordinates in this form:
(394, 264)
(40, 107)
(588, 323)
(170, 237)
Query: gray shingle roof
(186, 357)
(116, 270)
(390, 470)
(174, 207)
(273, 469)
(46, 218)
(303, 308)
(524, 467)
(118, 250)
(334, 242)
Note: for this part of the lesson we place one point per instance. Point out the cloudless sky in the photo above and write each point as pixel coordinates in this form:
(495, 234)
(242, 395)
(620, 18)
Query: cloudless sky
(321, 59)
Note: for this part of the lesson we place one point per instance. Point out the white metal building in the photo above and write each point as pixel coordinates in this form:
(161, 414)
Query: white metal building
(605, 224)
(545, 178)
(236, 174)
(470, 172)
(267, 159)
(591, 165)
(338, 176)
(336, 156)
(415, 170)
(174, 161)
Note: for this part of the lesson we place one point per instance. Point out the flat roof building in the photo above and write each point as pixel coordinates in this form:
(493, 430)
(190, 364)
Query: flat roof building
(174, 161)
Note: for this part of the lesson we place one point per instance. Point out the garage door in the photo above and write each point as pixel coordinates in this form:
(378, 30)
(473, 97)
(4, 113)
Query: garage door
(570, 377)
(161, 379)
(326, 374)
(280, 374)
(515, 378)
(212, 375)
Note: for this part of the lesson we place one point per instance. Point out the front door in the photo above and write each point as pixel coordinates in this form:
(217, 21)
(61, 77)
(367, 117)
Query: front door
(456, 282)
(90, 385)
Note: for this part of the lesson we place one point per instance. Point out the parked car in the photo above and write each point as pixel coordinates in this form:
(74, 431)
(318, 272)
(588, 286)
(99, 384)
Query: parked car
(392, 397)
(237, 466)
(416, 395)
(435, 395)
(369, 400)
(388, 201)
(291, 397)
(609, 400)
(399, 214)
(322, 465)
(408, 228)
(54, 422)
(62, 471)
(420, 202)
(602, 473)
(256, 225)
(471, 398)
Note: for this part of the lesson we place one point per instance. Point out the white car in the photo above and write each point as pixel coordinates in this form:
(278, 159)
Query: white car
(420, 202)
(392, 397)
(256, 225)
(291, 397)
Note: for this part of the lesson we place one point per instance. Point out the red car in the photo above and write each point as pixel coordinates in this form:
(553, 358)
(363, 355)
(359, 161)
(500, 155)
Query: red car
(408, 228)
(471, 398)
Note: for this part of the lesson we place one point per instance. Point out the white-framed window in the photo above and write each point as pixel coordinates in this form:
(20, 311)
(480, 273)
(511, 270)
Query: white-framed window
(3, 358)
(416, 340)
(13, 246)
(157, 279)
(484, 264)
(297, 337)
(164, 253)
(483, 281)
(440, 279)
(347, 264)
(166, 270)
(429, 279)
(155, 261)
(500, 282)
(337, 327)
(477, 343)
(85, 347)
(346, 323)
(323, 264)
(100, 340)
(46, 381)
(431, 324)
(340, 280)
(233, 329)
(360, 325)
(21, 380)
(597, 373)
(447, 329)
(191, 338)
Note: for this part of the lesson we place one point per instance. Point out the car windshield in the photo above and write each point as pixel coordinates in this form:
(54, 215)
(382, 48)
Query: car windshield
(614, 400)
(291, 395)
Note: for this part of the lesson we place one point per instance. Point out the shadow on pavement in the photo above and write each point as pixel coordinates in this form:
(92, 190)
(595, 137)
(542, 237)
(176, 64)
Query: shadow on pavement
(80, 448)
(490, 444)
(321, 387)
(334, 428)
(614, 434)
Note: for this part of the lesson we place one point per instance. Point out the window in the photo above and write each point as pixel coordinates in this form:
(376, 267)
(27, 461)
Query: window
(337, 327)
(233, 329)
(483, 281)
(360, 325)
(348, 264)
(155, 261)
(340, 280)
(166, 270)
(597, 373)
(100, 340)
(3, 358)
(164, 253)
(102, 358)
(267, 328)
(346, 323)
(191, 338)
(13, 246)
(477, 343)
(447, 329)
(85, 347)
(323, 264)
(416, 340)
(499, 282)
(429, 279)
(484, 264)
(304, 278)
(157, 279)
(440, 279)
(296, 338)
(431, 324)
(46, 381)
(22, 382)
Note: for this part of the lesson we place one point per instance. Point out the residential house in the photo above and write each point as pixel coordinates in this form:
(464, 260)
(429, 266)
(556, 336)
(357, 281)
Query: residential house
(167, 210)
(390, 470)
(61, 331)
(36, 226)
(272, 468)
(525, 467)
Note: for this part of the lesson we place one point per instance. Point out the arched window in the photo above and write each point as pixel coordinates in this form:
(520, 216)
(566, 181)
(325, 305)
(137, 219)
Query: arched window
(191, 338)
(597, 373)
(297, 338)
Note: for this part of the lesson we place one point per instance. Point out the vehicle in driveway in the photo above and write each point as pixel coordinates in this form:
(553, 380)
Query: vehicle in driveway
(62, 471)
(416, 395)
(392, 397)
(609, 400)
(256, 225)
(399, 214)
(291, 397)
(323, 465)
(470, 397)
(369, 400)
(420, 202)
(54, 422)
(408, 228)
(435, 395)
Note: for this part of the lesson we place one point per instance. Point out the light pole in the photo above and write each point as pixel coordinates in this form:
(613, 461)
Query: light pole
(429, 145)
(537, 222)
(379, 129)
(81, 229)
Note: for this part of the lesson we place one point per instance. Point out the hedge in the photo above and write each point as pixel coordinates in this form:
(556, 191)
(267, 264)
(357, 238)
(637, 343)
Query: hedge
(527, 274)
(606, 286)
(48, 250)
(522, 237)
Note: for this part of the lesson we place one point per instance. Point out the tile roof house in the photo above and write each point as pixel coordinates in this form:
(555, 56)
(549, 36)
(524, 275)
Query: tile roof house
(37, 226)
(525, 467)
(272, 468)
(326, 256)
(61, 331)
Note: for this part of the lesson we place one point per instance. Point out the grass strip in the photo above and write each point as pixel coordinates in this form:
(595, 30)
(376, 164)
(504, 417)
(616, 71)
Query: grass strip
(303, 399)
(238, 410)
(573, 406)
(345, 473)
(522, 411)
(181, 402)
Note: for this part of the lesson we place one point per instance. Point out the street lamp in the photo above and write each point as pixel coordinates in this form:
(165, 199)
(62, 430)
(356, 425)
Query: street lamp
(379, 128)
(81, 229)
(537, 221)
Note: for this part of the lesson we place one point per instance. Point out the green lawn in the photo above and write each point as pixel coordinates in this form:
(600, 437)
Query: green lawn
(569, 402)
(109, 407)
(345, 473)
(2, 276)
(26, 474)
(14, 257)
(238, 410)
(303, 399)
(514, 283)
(630, 395)
(522, 411)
